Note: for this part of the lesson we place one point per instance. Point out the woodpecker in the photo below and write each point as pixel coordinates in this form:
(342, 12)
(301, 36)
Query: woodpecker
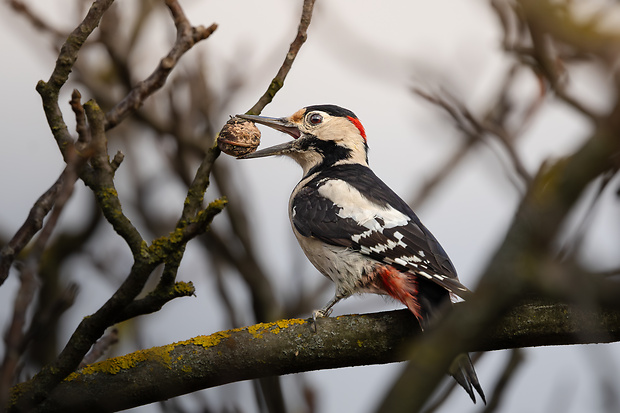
(355, 230)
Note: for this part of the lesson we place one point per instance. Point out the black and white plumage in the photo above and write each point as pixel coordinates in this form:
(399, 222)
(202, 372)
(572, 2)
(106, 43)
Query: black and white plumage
(354, 229)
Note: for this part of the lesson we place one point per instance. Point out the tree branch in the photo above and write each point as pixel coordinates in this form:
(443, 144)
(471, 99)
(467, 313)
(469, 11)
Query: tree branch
(475, 129)
(187, 37)
(50, 90)
(291, 346)
(32, 225)
(278, 81)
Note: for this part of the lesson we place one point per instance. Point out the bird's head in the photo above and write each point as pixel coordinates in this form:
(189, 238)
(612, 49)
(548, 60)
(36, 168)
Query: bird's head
(324, 135)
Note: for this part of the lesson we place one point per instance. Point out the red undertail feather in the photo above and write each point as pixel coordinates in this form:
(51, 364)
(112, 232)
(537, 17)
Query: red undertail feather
(400, 286)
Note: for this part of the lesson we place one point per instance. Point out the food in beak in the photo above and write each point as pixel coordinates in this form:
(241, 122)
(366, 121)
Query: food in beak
(238, 137)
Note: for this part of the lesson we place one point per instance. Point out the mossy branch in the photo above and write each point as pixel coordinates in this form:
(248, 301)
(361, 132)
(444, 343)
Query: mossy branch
(169, 250)
(292, 346)
(50, 90)
(156, 299)
(120, 306)
(102, 181)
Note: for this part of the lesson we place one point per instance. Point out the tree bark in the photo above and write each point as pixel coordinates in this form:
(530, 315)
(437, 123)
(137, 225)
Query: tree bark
(292, 346)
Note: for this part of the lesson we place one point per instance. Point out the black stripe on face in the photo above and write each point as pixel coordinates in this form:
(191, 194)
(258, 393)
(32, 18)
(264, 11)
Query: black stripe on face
(329, 150)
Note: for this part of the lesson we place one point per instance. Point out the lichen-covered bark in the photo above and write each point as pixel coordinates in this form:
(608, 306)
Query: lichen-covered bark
(292, 346)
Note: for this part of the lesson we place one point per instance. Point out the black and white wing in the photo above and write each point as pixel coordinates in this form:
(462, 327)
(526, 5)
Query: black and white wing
(350, 206)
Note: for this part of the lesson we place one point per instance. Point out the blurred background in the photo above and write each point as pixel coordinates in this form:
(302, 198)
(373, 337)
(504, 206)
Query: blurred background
(370, 57)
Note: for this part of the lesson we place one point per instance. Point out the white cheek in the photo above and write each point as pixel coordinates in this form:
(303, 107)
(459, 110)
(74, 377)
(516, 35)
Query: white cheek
(306, 159)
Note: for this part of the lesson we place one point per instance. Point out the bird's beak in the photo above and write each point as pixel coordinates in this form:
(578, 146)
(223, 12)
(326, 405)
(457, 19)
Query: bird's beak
(279, 124)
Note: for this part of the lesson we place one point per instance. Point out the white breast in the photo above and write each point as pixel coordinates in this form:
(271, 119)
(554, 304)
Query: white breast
(348, 269)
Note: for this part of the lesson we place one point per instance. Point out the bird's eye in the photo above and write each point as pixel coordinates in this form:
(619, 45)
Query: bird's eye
(315, 118)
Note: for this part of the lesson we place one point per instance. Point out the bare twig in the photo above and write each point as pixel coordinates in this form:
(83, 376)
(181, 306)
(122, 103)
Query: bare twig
(187, 37)
(536, 48)
(100, 347)
(196, 191)
(476, 129)
(278, 80)
(264, 308)
(16, 340)
(50, 90)
(54, 197)
(102, 181)
(497, 113)
(92, 327)
(572, 245)
(156, 299)
(443, 397)
(33, 223)
(80, 118)
(514, 362)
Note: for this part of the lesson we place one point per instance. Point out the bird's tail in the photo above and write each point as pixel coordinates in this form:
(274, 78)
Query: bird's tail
(463, 372)
(406, 288)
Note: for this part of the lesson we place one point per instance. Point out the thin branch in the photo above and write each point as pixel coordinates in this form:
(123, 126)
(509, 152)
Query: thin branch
(156, 299)
(544, 23)
(200, 183)
(260, 288)
(80, 118)
(100, 347)
(120, 305)
(33, 223)
(99, 176)
(102, 182)
(16, 339)
(54, 197)
(146, 260)
(50, 90)
(498, 110)
(278, 81)
(514, 362)
(476, 129)
(187, 37)
(262, 294)
(575, 242)
(447, 391)
(292, 346)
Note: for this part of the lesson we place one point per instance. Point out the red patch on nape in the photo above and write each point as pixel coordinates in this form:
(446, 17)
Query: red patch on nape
(358, 125)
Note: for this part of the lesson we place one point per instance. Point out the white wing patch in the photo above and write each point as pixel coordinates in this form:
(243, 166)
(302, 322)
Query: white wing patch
(370, 215)
(365, 212)
(376, 219)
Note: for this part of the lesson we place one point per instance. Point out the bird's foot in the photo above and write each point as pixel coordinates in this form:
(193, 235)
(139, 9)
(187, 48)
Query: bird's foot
(325, 312)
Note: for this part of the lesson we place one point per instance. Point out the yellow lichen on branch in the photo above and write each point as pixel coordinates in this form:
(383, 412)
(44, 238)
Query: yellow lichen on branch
(162, 355)
(258, 330)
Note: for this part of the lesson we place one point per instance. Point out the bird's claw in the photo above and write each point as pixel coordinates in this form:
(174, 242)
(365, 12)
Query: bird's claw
(320, 314)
